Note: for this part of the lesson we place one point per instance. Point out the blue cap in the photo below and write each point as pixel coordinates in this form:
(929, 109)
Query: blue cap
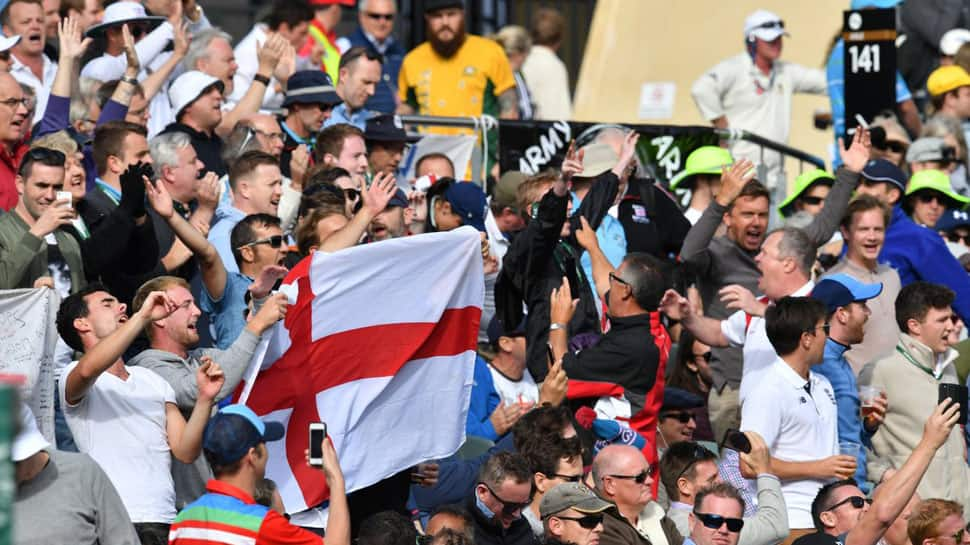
(496, 328)
(951, 219)
(468, 201)
(400, 199)
(675, 398)
(610, 432)
(841, 289)
(234, 430)
(859, 4)
(311, 87)
(881, 170)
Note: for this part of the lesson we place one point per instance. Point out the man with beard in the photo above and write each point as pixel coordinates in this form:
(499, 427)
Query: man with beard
(725, 265)
(848, 313)
(454, 74)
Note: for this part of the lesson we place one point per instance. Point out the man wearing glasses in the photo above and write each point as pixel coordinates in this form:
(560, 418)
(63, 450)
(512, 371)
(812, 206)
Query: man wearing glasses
(623, 477)
(795, 410)
(572, 514)
(555, 461)
(938, 522)
(716, 518)
(14, 114)
(376, 34)
(504, 489)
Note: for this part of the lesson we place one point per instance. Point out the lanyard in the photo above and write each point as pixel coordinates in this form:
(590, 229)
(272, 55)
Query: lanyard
(82, 229)
(108, 191)
(920, 366)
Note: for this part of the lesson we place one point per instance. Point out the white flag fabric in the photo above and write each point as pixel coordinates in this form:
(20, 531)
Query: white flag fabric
(379, 343)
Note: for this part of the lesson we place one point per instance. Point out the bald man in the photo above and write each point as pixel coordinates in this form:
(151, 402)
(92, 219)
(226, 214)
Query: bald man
(622, 476)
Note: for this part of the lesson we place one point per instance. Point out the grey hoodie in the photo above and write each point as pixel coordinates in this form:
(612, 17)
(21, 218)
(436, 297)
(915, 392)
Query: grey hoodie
(190, 479)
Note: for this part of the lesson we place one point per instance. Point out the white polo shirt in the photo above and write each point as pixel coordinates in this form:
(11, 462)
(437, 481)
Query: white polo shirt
(798, 425)
(744, 330)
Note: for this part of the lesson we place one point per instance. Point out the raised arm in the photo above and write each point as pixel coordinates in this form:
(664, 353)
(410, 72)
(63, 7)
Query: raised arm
(601, 266)
(71, 47)
(268, 56)
(375, 199)
(854, 160)
(695, 250)
(103, 355)
(707, 330)
(156, 80)
(185, 438)
(213, 270)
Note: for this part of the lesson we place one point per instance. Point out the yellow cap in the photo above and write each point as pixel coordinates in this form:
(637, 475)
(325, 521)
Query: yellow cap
(947, 78)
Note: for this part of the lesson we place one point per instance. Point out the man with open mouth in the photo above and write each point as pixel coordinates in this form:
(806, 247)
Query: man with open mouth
(30, 66)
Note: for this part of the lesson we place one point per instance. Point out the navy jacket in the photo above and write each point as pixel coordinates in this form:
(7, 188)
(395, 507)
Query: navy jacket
(383, 100)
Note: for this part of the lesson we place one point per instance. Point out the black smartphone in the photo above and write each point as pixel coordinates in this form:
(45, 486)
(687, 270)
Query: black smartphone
(318, 432)
(550, 355)
(958, 394)
(735, 440)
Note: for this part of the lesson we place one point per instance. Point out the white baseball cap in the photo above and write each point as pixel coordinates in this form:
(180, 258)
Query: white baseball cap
(764, 25)
(6, 42)
(29, 441)
(952, 40)
(188, 87)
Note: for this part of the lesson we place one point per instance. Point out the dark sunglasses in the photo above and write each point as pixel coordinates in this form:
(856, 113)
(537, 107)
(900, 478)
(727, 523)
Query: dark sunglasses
(772, 24)
(927, 197)
(856, 501)
(682, 417)
(639, 478)
(614, 277)
(957, 237)
(588, 522)
(568, 478)
(379, 16)
(811, 200)
(509, 508)
(274, 241)
(714, 522)
(706, 355)
(891, 145)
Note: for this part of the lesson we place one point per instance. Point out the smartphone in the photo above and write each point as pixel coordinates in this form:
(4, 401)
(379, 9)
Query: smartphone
(318, 432)
(735, 440)
(550, 355)
(959, 394)
(64, 196)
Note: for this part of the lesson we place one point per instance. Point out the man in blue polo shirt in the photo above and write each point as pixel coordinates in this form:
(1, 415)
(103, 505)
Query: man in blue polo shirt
(845, 297)
(916, 252)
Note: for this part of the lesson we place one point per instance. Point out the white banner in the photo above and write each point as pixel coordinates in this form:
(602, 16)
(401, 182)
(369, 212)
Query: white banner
(29, 333)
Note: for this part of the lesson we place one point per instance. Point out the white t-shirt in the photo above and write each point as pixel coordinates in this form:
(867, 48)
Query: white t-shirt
(523, 391)
(121, 424)
(797, 425)
(749, 333)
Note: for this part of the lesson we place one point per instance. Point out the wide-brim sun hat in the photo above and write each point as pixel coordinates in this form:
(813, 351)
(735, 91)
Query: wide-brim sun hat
(124, 12)
(802, 183)
(703, 160)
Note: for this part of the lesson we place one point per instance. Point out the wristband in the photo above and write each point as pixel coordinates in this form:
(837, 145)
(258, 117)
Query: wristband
(262, 79)
(556, 325)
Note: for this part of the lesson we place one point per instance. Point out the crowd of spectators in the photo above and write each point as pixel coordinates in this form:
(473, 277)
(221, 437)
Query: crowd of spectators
(726, 357)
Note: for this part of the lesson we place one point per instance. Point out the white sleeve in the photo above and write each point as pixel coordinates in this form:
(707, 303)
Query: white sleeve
(152, 44)
(735, 328)
(807, 80)
(709, 88)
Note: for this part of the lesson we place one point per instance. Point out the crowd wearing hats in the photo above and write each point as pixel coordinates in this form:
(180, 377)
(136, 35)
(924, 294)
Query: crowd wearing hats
(726, 357)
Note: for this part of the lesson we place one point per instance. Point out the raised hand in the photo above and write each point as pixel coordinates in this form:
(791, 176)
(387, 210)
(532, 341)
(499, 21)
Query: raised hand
(562, 304)
(269, 54)
(266, 279)
(505, 416)
(180, 39)
(738, 297)
(159, 199)
(733, 180)
(207, 193)
(628, 153)
(299, 164)
(133, 65)
(553, 390)
(381, 189)
(676, 306)
(287, 63)
(572, 164)
(856, 157)
(586, 236)
(210, 378)
(272, 311)
(157, 306)
(939, 425)
(70, 39)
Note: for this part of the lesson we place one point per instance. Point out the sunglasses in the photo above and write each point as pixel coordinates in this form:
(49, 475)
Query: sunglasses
(957, 237)
(274, 241)
(958, 537)
(639, 478)
(509, 508)
(927, 197)
(588, 522)
(618, 280)
(706, 355)
(772, 24)
(380, 16)
(568, 478)
(682, 417)
(715, 522)
(856, 501)
(811, 200)
(893, 146)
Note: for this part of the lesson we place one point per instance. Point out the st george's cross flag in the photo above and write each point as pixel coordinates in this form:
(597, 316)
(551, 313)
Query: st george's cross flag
(379, 343)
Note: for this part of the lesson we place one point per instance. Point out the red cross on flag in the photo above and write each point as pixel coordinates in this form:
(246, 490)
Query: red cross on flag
(379, 344)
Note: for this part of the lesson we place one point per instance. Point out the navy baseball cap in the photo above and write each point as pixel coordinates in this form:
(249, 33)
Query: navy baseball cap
(311, 87)
(400, 198)
(468, 201)
(234, 430)
(841, 289)
(881, 170)
(497, 329)
(675, 398)
(951, 219)
(387, 128)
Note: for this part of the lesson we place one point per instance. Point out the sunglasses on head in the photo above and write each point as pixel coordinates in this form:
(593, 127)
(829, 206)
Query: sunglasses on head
(380, 16)
(772, 24)
(509, 508)
(274, 241)
(856, 501)
(714, 522)
(682, 417)
(588, 522)
(699, 454)
(639, 478)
